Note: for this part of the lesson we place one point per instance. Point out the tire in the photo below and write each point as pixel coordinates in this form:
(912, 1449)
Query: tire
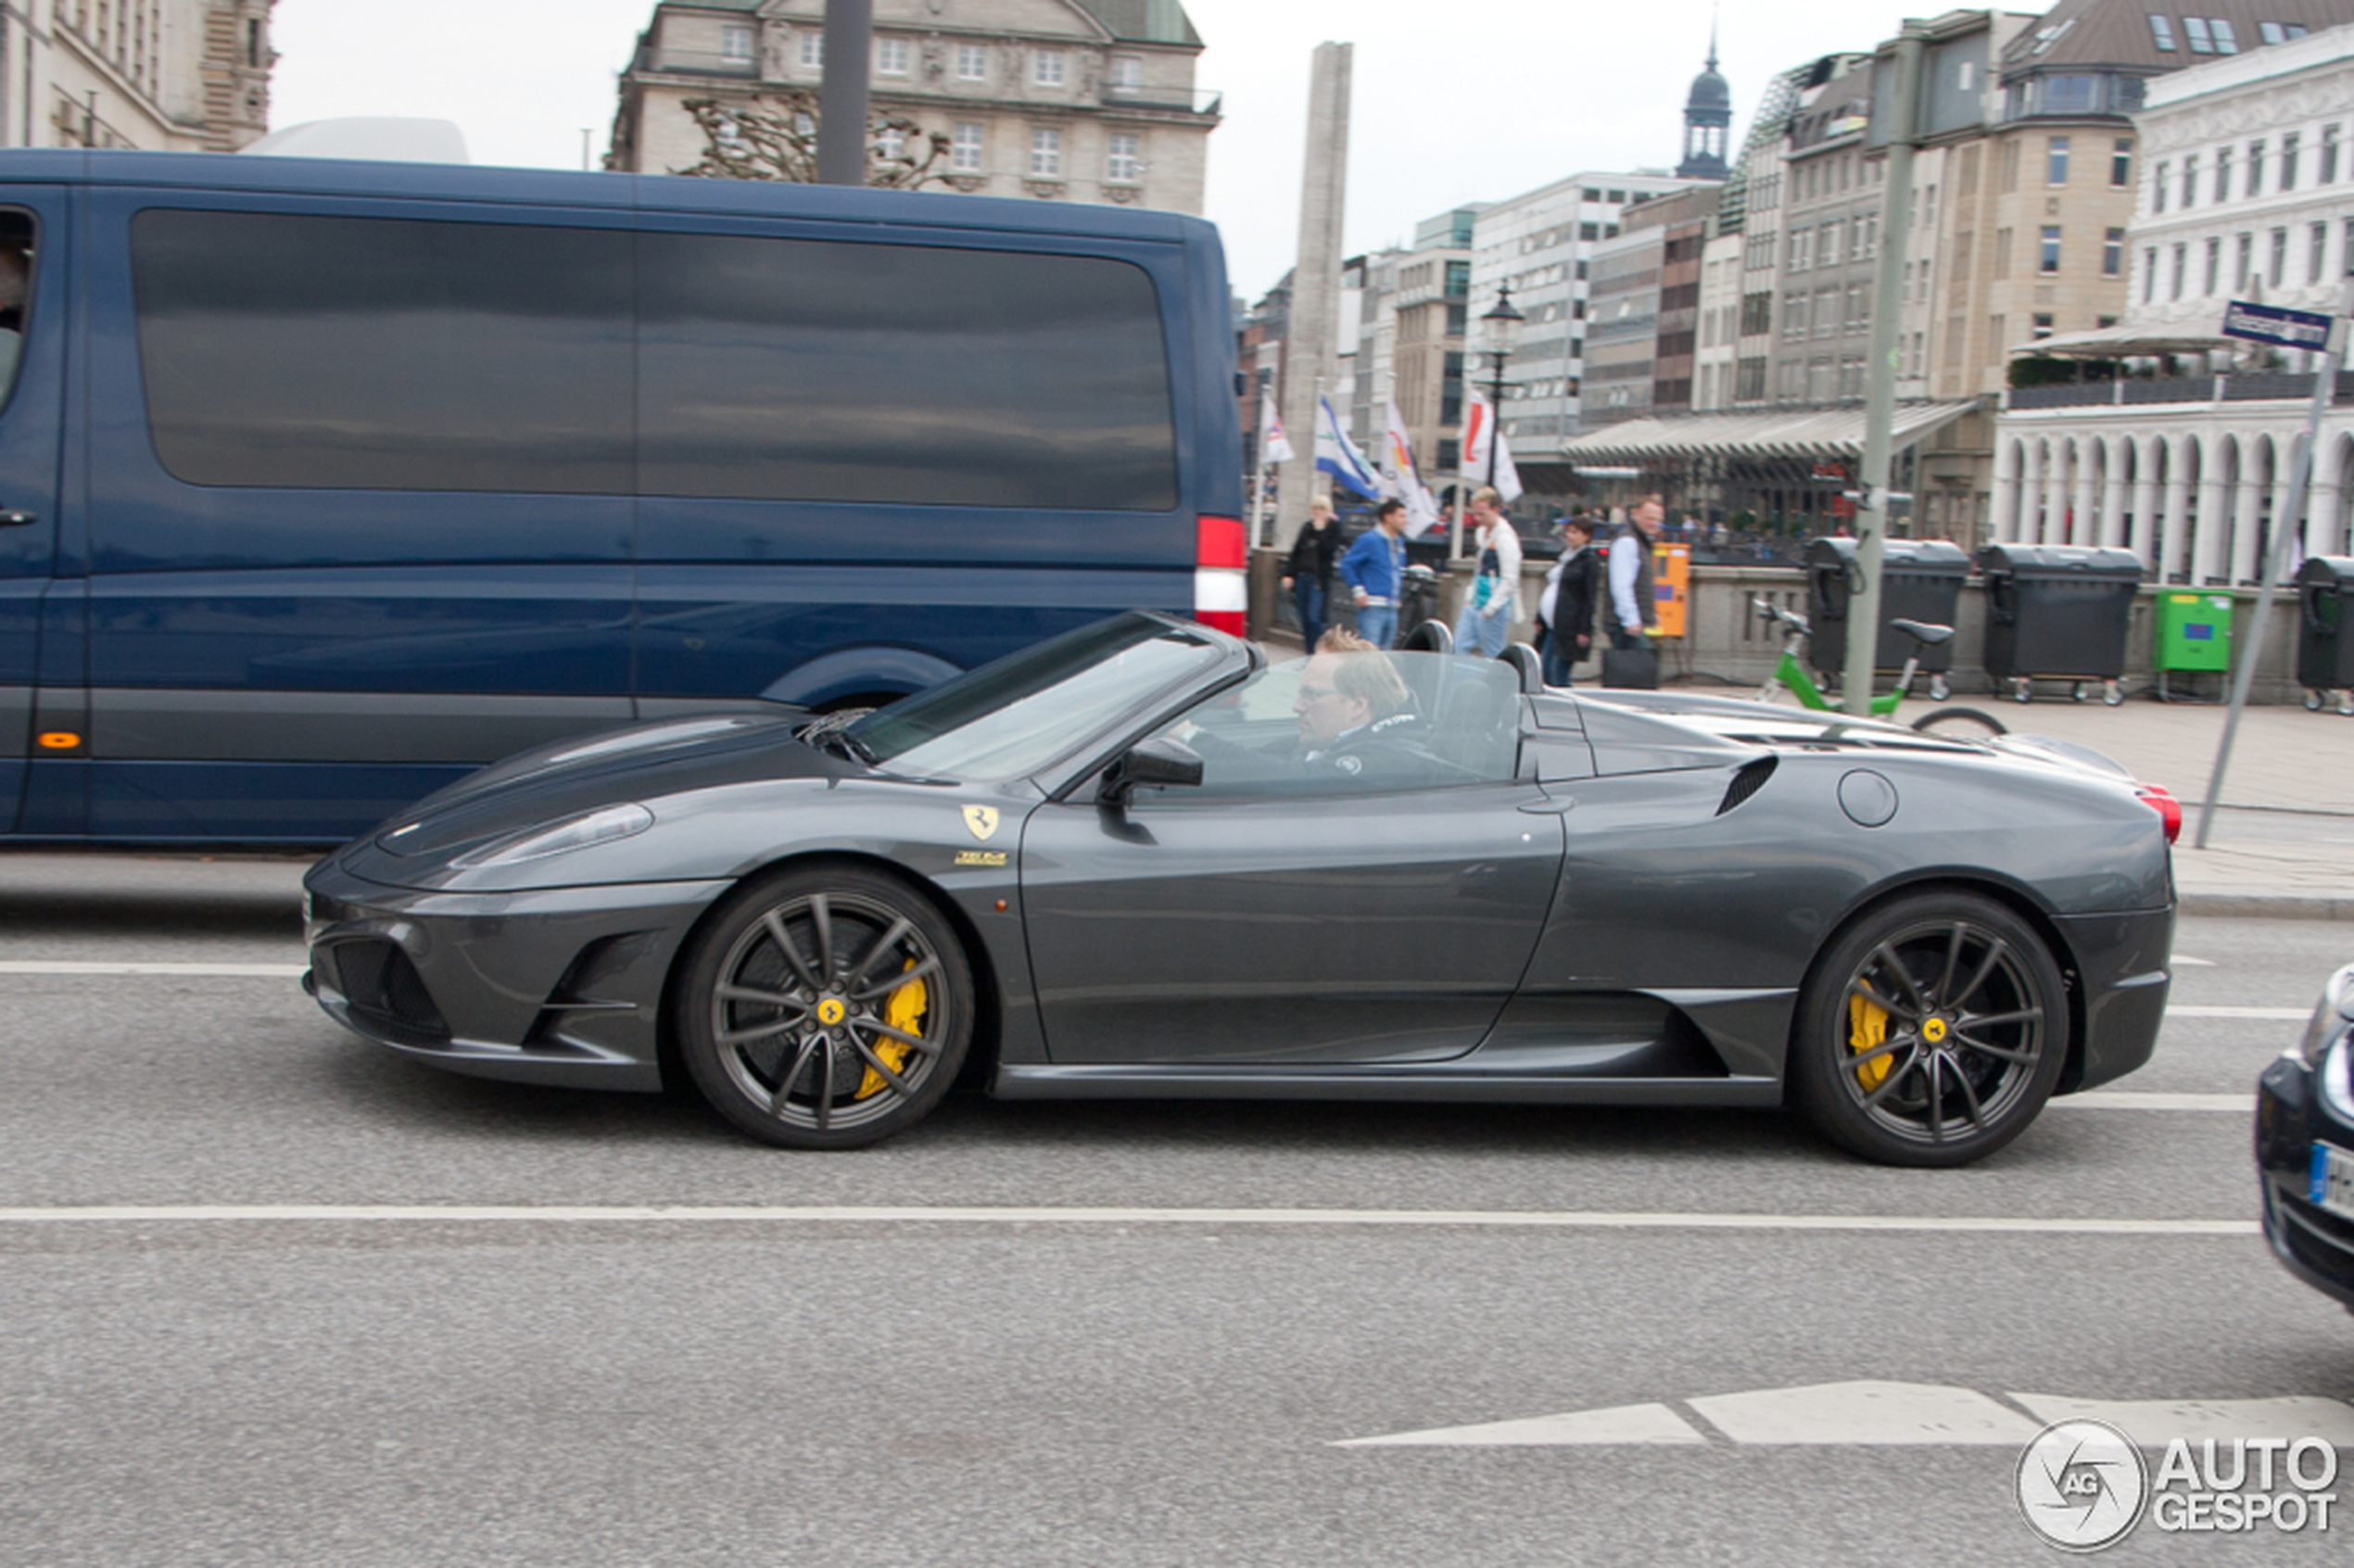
(1962, 724)
(796, 1027)
(1932, 963)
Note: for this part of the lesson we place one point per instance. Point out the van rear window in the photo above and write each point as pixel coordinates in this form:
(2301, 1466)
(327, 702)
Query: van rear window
(329, 352)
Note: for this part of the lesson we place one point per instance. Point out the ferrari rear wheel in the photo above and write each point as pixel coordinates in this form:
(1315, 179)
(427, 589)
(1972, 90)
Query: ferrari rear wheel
(1932, 1032)
(825, 1008)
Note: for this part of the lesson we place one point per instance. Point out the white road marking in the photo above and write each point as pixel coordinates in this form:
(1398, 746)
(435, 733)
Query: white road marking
(77, 967)
(2154, 1100)
(1878, 1415)
(1622, 1423)
(1875, 1414)
(2153, 1422)
(1488, 1218)
(2195, 963)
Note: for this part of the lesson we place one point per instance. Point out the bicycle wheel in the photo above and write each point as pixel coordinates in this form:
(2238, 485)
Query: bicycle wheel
(1960, 724)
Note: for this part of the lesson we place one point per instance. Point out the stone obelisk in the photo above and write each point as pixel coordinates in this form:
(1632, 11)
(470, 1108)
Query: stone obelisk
(1313, 330)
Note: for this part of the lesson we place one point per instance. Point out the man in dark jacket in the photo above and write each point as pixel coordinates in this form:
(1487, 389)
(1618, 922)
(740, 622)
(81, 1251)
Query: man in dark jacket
(1308, 570)
(1565, 613)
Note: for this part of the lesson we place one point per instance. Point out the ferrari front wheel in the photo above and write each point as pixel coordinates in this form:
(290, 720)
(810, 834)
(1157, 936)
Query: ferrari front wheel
(825, 1008)
(1932, 1032)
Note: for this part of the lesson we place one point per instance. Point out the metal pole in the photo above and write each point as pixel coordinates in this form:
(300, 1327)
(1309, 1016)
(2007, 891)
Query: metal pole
(2300, 479)
(1258, 471)
(841, 92)
(1880, 395)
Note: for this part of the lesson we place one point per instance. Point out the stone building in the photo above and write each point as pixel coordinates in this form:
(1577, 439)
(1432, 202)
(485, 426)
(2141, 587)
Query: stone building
(2246, 191)
(1074, 100)
(156, 75)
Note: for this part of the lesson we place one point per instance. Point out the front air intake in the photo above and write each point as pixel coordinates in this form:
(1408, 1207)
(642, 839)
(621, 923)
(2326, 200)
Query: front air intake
(1746, 782)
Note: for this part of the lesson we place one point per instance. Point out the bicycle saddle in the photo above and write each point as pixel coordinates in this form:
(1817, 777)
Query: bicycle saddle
(1922, 632)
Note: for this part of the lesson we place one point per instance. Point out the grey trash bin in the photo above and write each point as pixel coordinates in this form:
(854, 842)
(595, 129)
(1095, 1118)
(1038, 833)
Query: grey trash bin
(2057, 613)
(1920, 580)
(2325, 630)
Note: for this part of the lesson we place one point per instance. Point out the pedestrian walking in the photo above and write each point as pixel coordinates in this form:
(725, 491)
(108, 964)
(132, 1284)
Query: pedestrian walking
(1565, 613)
(1308, 570)
(1634, 600)
(1485, 623)
(1374, 569)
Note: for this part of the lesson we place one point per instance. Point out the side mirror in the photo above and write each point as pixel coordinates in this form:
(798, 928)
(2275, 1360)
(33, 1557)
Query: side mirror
(1158, 761)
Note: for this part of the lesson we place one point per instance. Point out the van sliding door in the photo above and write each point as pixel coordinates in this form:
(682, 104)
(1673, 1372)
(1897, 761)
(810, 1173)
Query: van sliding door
(33, 323)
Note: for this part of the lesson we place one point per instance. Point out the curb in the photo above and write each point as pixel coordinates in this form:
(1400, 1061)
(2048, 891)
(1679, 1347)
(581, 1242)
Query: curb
(2265, 907)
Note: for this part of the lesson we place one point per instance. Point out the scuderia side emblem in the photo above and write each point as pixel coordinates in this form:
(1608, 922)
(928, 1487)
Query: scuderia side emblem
(982, 820)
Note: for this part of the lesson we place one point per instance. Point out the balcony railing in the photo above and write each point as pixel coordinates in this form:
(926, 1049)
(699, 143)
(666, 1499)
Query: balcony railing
(1178, 100)
(2257, 386)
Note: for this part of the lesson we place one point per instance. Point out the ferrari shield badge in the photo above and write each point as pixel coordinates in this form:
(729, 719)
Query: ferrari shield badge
(982, 820)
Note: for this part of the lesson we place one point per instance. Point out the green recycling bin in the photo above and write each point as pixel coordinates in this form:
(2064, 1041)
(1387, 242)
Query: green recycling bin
(2192, 631)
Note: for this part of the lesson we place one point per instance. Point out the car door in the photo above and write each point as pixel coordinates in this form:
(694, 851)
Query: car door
(1250, 920)
(32, 233)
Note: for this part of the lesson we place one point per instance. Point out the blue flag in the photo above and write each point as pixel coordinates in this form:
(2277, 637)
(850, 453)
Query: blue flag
(1337, 456)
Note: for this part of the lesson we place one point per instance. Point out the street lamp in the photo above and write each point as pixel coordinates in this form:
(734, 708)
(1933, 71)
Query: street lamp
(1499, 331)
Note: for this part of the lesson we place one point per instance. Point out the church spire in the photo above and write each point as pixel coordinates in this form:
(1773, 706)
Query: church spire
(1708, 115)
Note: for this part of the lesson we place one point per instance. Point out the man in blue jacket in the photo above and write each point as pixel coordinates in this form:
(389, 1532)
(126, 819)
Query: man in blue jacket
(1375, 570)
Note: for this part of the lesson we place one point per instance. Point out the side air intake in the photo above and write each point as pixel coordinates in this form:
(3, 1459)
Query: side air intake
(1747, 782)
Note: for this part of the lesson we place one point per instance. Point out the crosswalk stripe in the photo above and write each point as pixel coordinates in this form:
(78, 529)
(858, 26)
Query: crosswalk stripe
(2243, 1103)
(83, 966)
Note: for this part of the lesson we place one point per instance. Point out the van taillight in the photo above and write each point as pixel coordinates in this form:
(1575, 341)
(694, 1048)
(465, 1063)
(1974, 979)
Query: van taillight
(2161, 800)
(1221, 554)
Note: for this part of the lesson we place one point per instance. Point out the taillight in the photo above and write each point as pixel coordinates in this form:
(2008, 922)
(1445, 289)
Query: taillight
(1221, 598)
(2161, 801)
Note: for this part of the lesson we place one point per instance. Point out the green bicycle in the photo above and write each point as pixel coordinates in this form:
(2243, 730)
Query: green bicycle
(1789, 675)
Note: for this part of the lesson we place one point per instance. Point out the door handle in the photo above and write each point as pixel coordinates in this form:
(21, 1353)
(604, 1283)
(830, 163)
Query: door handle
(1555, 806)
(17, 519)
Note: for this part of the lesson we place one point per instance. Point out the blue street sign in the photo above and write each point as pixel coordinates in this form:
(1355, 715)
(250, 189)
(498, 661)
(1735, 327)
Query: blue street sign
(2269, 324)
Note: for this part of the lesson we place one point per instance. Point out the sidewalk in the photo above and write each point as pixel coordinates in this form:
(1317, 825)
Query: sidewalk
(2283, 841)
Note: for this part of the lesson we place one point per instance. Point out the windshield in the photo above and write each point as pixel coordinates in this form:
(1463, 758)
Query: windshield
(1012, 718)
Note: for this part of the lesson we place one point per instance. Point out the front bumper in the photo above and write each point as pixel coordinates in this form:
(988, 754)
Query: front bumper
(560, 986)
(2310, 1242)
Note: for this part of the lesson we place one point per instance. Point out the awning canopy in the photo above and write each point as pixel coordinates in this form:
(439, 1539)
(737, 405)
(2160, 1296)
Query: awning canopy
(1813, 432)
(2125, 343)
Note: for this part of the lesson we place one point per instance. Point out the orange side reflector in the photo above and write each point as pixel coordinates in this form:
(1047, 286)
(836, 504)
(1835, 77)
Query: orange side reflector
(58, 740)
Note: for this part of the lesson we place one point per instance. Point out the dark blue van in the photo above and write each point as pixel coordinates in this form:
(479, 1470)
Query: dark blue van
(323, 483)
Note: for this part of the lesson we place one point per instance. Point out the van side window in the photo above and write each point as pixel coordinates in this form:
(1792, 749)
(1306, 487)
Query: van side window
(16, 292)
(808, 370)
(371, 353)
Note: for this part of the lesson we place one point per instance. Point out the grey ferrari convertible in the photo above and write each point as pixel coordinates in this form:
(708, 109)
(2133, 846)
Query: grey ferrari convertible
(1141, 859)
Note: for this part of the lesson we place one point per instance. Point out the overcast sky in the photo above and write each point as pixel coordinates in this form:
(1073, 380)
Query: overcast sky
(1470, 102)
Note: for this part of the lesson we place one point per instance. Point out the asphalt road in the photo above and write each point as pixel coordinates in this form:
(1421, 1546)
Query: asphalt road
(239, 1384)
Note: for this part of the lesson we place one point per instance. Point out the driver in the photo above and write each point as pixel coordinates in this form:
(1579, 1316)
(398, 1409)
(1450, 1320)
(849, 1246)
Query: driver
(1357, 718)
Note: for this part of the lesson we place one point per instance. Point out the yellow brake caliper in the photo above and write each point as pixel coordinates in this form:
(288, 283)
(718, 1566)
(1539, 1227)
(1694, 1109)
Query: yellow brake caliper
(1867, 1027)
(903, 1010)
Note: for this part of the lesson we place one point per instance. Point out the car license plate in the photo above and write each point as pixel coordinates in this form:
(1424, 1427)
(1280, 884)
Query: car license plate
(2334, 1180)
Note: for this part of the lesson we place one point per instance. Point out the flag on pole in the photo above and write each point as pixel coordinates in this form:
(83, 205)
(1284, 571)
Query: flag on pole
(1273, 448)
(1337, 456)
(1479, 428)
(1400, 478)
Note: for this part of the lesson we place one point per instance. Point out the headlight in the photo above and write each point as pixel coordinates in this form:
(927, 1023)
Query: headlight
(2331, 1017)
(603, 826)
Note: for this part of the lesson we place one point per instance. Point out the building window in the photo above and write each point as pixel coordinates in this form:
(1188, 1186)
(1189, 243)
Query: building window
(2190, 181)
(2214, 265)
(964, 148)
(1965, 76)
(2113, 254)
(2010, 166)
(2002, 253)
(2288, 180)
(1046, 68)
(2328, 175)
(2158, 188)
(2256, 167)
(2149, 273)
(2042, 327)
(2162, 32)
(972, 62)
(2243, 254)
(2222, 174)
(2345, 255)
(735, 44)
(2120, 163)
(1121, 163)
(2195, 29)
(2056, 161)
(2226, 41)
(1126, 73)
(890, 57)
(1045, 151)
(1997, 337)
(2048, 253)
(2182, 265)
(2280, 257)
(2317, 257)
(813, 49)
